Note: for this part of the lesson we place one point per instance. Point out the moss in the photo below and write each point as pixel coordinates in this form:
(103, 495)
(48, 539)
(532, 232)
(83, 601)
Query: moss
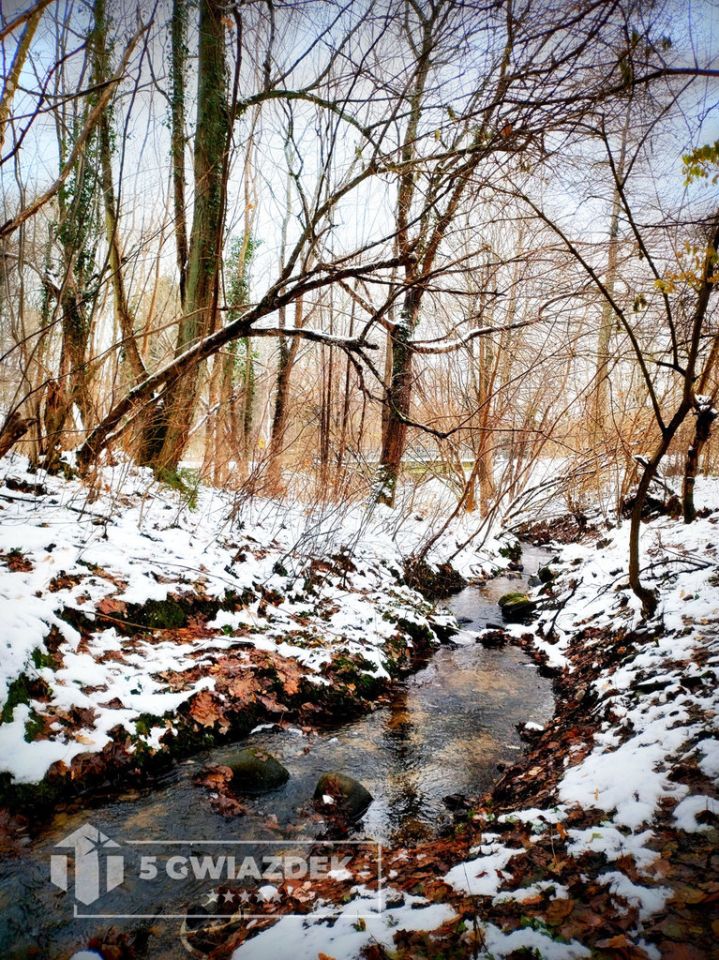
(516, 606)
(27, 798)
(34, 725)
(256, 771)
(18, 692)
(42, 659)
(164, 614)
(145, 722)
(184, 480)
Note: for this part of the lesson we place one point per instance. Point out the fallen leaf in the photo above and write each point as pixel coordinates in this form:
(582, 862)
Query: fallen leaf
(206, 710)
(559, 910)
(110, 606)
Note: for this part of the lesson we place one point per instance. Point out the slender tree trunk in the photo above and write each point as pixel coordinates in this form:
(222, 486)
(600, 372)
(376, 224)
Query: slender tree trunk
(399, 396)
(13, 77)
(280, 414)
(178, 58)
(648, 598)
(601, 390)
(123, 315)
(705, 417)
(345, 412)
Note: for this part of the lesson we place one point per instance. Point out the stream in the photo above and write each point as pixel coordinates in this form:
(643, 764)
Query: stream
(445, 731)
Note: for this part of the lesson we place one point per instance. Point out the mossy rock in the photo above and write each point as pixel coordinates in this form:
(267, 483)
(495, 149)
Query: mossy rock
(516, 606)
(546, 574)
(349, 795)
(255, 771)
(162, 614)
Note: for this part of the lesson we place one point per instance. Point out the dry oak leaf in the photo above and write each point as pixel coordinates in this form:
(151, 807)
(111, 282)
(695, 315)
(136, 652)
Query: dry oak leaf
(290, 674)
(215, 776)
(206, 710)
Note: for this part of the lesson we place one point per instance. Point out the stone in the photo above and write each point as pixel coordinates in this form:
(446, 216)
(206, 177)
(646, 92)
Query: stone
(516, 606)
(255, 771)
(546, 574)
(348, 794)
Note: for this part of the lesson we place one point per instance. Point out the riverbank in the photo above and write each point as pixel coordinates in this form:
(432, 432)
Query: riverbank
(601, 841)
(143, 623)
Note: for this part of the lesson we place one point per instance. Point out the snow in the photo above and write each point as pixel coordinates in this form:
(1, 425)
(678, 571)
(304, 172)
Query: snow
(613, 843)
(304, 938)
(523, 894)
(500, 944)
(627, 780)
(685, 813)
(649, 900)
(709, 762)
(484, 876)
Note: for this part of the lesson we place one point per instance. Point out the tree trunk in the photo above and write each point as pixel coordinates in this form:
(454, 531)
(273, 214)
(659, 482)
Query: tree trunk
(280, 412)
(14, 429)
(124, 318)
(203, 264)
(13, 76)
(178, 35)
(601, 390)
(705, 417)
(399, 398)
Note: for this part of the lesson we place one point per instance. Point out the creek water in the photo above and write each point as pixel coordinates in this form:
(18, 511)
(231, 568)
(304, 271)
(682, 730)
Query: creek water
(445, 731)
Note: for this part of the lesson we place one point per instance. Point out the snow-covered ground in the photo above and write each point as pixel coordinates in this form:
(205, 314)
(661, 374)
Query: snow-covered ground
(640, 785)
(304, 583)
(656, 749)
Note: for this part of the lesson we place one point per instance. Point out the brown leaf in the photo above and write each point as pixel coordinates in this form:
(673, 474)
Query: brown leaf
(214, 776)
(558, 911)
(681, 951)
(689, 896)
(290, 674)
(624, 947)
(243, 688)
(206, 710)
(270, 704)
(111, 607)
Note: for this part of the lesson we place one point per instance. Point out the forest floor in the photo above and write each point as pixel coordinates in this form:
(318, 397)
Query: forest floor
(603, 840)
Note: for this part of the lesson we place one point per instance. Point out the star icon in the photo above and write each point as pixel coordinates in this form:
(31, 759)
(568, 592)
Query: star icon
(245, 897)
(229, 896)
(212, 897)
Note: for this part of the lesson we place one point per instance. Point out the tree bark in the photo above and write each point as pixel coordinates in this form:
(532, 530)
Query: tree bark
(705, 417)
(203, 265)
(178, 58)
(125, 320)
